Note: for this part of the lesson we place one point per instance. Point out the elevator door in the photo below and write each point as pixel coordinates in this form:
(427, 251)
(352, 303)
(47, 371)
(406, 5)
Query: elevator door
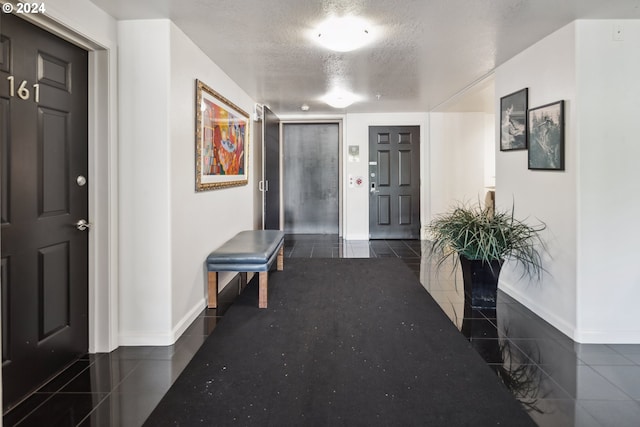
(311, 178)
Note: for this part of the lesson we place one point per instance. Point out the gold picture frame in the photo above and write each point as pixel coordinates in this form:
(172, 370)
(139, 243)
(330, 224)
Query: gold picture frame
(222, 141)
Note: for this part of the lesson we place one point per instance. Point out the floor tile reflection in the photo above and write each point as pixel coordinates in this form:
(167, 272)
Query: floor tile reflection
(559, 382)
(120, 388)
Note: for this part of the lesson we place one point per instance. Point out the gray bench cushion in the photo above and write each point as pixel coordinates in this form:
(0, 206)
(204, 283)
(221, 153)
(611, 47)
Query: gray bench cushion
(253, 250)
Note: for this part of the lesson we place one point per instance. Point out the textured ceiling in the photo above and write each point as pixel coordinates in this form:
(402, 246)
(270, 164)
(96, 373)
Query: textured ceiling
(429, 52)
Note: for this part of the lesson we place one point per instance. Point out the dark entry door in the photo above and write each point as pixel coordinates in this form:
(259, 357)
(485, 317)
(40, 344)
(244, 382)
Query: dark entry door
(271, 137)
(394, 179)
(43, 137)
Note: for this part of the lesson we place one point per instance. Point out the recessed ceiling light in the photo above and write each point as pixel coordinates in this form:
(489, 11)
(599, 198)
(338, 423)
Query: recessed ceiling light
(344, 34)
(339, 98)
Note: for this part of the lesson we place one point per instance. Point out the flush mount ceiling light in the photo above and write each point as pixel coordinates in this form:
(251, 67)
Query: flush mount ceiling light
(339, 98)
(343, 34)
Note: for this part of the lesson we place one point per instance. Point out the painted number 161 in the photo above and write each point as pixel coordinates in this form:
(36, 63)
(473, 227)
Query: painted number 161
(23, 91)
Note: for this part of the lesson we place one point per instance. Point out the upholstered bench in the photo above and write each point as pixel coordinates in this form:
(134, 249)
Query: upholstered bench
(248, 251)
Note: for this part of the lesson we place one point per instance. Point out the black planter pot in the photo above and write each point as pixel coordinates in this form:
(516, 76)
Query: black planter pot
(480, 282)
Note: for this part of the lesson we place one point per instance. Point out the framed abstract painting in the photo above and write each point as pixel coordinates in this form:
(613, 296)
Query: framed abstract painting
(222, 141)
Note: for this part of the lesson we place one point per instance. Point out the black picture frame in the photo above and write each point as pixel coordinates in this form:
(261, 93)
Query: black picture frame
(513, 121)
(546, 137)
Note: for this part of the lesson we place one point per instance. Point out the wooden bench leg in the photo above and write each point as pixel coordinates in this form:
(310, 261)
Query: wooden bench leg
(212, 299)
(263, 277)
(280, 259)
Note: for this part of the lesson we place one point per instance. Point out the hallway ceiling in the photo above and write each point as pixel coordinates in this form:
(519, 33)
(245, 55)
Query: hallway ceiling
(429, 54)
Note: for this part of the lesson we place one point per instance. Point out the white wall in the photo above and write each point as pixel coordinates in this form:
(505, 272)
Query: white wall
(356, 132)
(167, 229)
(548, 69)
(83, 18)
(591, 208)
(200, 222)
(489, 151)
(608, 108)
(454, 162)
(462, 148)
(145, 182)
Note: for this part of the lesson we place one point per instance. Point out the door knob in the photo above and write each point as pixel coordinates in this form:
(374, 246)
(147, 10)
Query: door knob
(82, 225)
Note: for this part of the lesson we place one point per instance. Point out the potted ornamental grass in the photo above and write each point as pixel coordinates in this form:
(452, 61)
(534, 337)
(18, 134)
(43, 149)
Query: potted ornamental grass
(480, 240)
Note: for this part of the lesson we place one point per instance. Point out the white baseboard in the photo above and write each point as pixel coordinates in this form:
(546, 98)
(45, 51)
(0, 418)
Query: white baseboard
(582, 336)
(424, 233)
(608, 337)
(162, 338)
(156, 338)
(541, 311)
(188, 319)
(356, 237)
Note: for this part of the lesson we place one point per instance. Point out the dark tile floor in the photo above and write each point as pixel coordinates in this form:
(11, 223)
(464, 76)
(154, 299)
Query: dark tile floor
(120, 388)
(559, 382)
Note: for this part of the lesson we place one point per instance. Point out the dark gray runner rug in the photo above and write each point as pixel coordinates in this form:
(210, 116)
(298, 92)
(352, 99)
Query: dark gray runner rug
(344, 342)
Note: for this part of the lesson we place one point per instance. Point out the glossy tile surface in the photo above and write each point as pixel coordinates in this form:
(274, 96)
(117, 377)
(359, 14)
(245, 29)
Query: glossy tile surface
(120, 388)
(559, 382)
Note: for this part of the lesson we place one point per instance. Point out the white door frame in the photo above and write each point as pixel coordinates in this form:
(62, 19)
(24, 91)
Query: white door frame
(102, 180)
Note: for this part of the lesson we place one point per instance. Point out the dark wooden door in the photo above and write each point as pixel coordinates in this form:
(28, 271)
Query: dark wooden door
(394, 179)
(43, 137)
(271, 137)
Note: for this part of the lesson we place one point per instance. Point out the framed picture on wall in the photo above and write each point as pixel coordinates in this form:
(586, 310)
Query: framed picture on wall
(222, 141)
(546, 137)
(513, 121)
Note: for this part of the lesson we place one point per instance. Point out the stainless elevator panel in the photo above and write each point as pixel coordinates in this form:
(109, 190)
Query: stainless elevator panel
(311, 178)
